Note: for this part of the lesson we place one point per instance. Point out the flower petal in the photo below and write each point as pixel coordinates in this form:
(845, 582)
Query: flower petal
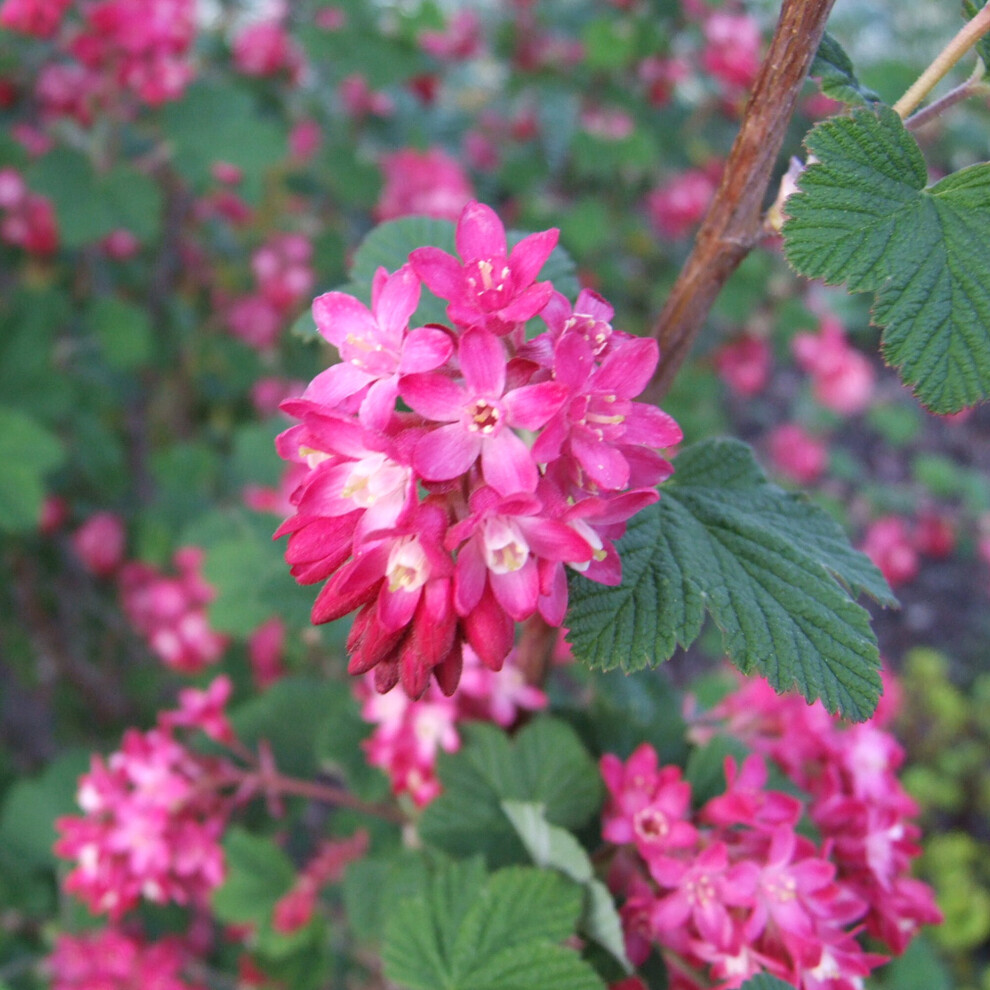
(628, 368)
(507, 464)
(397, 301)
(433, 396)
(527, 303)
(338, 314)
(530, 254)
(441, 272)
(378, 405)
(482, 358)
(531, 406)
(603, 464)
(339, 382)
(480, 233)
(424, 349)
(517, 592)
(446, 452)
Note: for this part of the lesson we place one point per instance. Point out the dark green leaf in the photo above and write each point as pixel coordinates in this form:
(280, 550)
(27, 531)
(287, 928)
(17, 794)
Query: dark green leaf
(466, 931)
(864, 217)
(124, 331)
(764, 981)
(835, 70)
(545, 763)
(772, 570)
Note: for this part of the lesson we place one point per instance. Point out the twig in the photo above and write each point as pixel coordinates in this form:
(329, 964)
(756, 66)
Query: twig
(732, 225)
(971, 87)
(535, 649)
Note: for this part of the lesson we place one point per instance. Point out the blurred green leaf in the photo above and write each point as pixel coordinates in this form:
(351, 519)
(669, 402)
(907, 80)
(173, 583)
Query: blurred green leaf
(838, 78)
(124, 331)
(28, 452)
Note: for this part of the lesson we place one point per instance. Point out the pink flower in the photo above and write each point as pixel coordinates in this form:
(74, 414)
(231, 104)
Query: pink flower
(460, 40)
(842, 377)
(265, 649)
(479, 417)
(40, 18)
(204, 710)
(265, 49)
(100, 543)
(488, 289)
(744, 364)
(889, 545)
(113, 959)
(377, 346)
(680, 203)
(732, 49)
(796, 454)
(424, 183)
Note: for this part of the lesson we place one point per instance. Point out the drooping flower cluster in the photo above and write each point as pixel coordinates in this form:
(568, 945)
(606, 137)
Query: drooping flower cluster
(409, 735)
(153, 816)
(449, 523)
(170, 612)
(427, 183)
(27, 220)
(842, 377)
(284, 277)
(113, 959)
(735, 887)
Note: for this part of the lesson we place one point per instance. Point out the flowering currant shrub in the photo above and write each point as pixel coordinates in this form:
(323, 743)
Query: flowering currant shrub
(374, 383)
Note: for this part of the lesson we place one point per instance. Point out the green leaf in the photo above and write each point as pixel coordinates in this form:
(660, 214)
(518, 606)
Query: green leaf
(28, 452)
(372, 886)
(469, 931)
(705, 770)
(89, 205)
(764, 981)
(772, 570)
(864, 217)
(291, 715)
(970, 10)
(124, 332)
(30, 808)
(220, 123)
(258, 874)
(838, 79)
(556, 848)
(545, 763)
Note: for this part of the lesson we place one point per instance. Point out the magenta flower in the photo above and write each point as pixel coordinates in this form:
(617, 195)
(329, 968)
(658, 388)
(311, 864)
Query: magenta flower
(505, 537)
(376, 344)
(479, 416)
(488, 288)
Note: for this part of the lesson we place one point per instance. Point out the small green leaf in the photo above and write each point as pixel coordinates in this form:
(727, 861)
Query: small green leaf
(545, 763)
(28, 452)
(764, 981)
(773, 571)
(469, 931)
(556, 848)
(838, 79)
(863, 216)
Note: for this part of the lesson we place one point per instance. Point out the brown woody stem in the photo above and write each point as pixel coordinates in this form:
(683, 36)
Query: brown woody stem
(733, 224)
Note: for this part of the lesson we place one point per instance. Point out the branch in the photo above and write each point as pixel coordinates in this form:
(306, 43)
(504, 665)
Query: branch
(732, 225)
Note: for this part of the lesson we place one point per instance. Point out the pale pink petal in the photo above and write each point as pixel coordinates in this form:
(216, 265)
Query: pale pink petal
(554, 540)
(531, 406)
(441, 272)
(483, 362)
(446, 452)
(507, 464)
(530, 254)
(433, 396)
(517, 592)
(339, 382)
(480, 233)
(397, 301)
(553, 605)
(424, 349)
(338, 314)
(607, 571)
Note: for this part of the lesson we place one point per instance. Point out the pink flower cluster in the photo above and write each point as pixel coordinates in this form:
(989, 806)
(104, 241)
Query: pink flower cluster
(284, 277)
(896, 544)
(744, 364)
(448, 523)
(40, 18)
(677, 205)
(264, 48)
(27, 220)
(734, 887)
(842, 378)
(409, 735)
(152, 816)
(114, 959)
(296, 908)
(426, 183)
(170, 612)
(100, 543)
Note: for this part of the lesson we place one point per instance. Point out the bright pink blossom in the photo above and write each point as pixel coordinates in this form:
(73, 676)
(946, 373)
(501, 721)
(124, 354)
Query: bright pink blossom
(842, 377)
(422, 183)
(100, 543)
(744, 364)
(732, 49)
(889, 544)
(678, 205)
(40, 18)
(490, 287)
(461, 38)
(265, 48)
(796, 454)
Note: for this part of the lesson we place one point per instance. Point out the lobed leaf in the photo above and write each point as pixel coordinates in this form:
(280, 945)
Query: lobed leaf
(773, 571)
(863, 216)
(838, 78)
